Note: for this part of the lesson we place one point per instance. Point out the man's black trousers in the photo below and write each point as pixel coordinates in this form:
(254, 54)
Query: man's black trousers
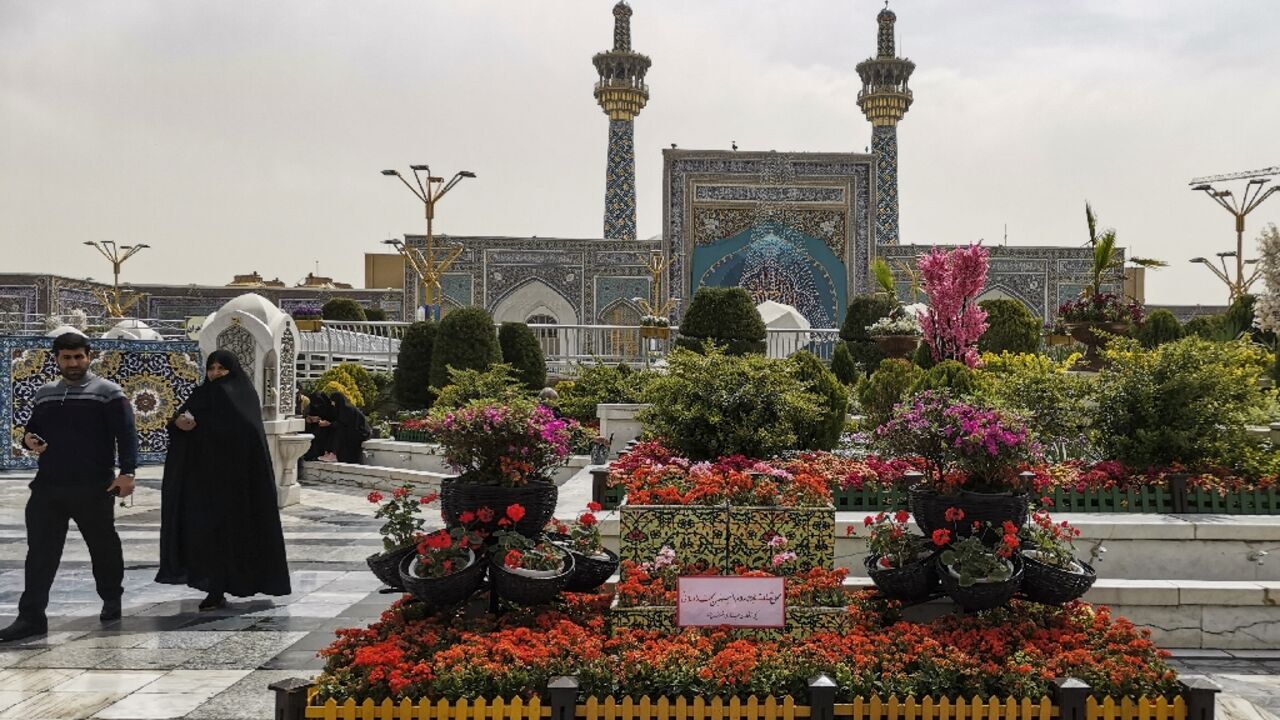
(48, 511)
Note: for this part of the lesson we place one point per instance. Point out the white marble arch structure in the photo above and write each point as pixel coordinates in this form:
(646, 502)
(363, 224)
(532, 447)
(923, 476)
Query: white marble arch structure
(264, 339)
(536, 299)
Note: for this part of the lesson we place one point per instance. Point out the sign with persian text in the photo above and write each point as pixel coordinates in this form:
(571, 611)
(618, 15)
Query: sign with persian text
(733, 601)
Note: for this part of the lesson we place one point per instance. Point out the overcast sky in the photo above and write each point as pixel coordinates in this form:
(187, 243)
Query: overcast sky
(243, 135)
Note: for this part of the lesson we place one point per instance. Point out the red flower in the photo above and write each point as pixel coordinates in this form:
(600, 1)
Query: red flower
(594, 506)
(866, 521)
(400, 492)
(439, 540)
(485, 514)
(429, 498)
(902, 516)
(954, 514)
(375, 497)
(515, 512)
(512, 559)
(466, 517)
(941, 537)
(587, 519)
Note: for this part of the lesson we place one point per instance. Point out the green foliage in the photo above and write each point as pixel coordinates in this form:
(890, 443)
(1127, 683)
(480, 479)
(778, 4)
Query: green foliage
(1010, 328)
(711, 405)
(725, 316)
(823, 430)
(1185, 402)
(923, 356)
(1054, 403)
(864, 311)
(413, 366)
(334, 387)
(598, 384)
(883, 274)
(375, 314)
(466, 340)
(842, 364)
(498, 383)
(339, 377)
(1208, 327)
(1160, 327)
(522, 351)
(1238, 321)
(342, 309)
(886, 387)
(951, 375)
(364, 384)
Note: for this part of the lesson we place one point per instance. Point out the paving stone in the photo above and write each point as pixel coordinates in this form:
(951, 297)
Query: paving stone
(248, 699)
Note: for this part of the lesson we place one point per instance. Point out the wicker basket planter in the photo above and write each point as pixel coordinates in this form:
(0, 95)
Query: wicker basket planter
(589, 572)
(538, 498)
(911, 583)
(386, 565)
(442, 591)
(897, 346)
(929, 509)
(1044, 583)
(983, 595)
(526, 590)
(1087, 334)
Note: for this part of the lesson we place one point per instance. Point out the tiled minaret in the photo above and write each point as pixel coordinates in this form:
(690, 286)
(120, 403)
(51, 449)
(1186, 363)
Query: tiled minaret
(884, 99)
(621, 92)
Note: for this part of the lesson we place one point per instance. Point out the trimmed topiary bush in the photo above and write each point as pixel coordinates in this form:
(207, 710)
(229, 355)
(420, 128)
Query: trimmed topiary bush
(466, 340)
(1208, 327)
(886, 387)
(842, 364)
(864, 311)
(724, 316)
(951, 375)
(923, 357)
(823, 430)
(1160, 327)
(522, 351)
(343, 309)
(1010, 328)
(413, 366)
(375, 314)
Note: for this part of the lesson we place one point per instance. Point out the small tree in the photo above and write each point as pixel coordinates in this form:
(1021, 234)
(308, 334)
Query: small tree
(413, 366)
(864, 311)
(726, 317)
(823, 431)
(1208, 327)
(1267, 310)
(954, 322)
(375, 314)
(1010, 328)
(466, 339)
(522, 351)
(842, 364)
(342, 309)
(1160, 327)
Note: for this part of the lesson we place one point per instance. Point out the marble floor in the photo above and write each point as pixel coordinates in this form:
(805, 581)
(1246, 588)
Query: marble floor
(164, 659)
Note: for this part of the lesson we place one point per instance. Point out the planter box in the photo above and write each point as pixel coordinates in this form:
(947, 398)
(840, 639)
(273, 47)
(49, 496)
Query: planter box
(698, 534)
(1132, 500)
(810, 534)
(414, 436)
(308, 325)
(868, 499)
(801, 620)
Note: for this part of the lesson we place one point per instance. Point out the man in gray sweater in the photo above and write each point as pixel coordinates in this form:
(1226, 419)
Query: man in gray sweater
(78, 425)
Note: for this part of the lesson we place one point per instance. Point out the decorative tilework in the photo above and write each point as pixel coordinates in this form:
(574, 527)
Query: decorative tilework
(810, 534)
(884, 145)
(288, 372)
(611, 289)
(757, 193)
(698, 535)
(712, 224)
(458, 287)
(74, 298)
(156, 376)
(620, 182)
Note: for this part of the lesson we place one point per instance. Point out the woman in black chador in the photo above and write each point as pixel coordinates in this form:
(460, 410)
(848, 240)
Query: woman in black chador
(220, 528)
(348, 429)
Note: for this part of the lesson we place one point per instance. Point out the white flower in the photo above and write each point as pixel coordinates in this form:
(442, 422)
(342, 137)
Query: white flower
(905, 325)
(1267, 311)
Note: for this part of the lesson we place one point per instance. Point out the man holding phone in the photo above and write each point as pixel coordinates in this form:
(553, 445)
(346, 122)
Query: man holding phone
(78, 425)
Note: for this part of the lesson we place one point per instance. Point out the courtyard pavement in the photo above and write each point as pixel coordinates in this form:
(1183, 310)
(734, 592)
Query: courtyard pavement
(164, 659)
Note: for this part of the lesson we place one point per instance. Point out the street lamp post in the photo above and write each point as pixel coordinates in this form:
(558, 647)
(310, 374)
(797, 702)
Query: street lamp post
(115, 305)
(425, 264)
(1253, 196)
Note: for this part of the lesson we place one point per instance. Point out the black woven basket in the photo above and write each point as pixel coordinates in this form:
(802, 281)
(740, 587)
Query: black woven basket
(929, 508)
(386, 565)
(589, 573)
(911, 583)
(529, 590)
(980, 596)
(447, 590)
(1044, 583)
(538, 499)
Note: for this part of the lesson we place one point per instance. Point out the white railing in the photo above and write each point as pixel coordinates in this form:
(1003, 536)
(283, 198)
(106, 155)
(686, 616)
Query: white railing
(26, 324)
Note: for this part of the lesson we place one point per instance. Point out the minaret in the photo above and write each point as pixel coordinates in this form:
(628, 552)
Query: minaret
(884, 99)
(621, 93)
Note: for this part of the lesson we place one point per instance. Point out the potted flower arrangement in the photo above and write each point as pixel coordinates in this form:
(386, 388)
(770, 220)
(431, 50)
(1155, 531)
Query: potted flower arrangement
(593, 563)
(898, 562)
(504, 453)
(655, 326)
(307, 317)
(446, 567)
(402, 523)
(898, 334)
(1088, 317)
(527, 570)
(975, 575)
(1051, 573)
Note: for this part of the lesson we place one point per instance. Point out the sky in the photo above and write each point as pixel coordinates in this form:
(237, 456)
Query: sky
(242, 135)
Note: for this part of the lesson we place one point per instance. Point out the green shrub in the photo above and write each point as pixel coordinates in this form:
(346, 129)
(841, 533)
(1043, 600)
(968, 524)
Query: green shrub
(344, 309)
(1238, 321)
(598, 384)
(1186, 402)
(725, 316)
(364, 383)
(375, 314)
(333, 387)
(713, 404)
(923, 356)
(1054, 404)
(498, 382)
(864, 311)
(842, 364)
(1010, 328)
(522, 351)
(822, 432)
(466, 340)
(1208, 327)
(950, 375)
(886, 387)
(413, 366)
(1160, 327)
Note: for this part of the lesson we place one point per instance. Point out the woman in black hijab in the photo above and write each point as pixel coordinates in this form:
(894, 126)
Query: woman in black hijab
(220, 528)
(348, 428)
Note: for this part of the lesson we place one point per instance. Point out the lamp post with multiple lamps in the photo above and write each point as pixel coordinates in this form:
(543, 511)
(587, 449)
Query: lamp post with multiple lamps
(425, 264)
(115, 305)
(1253, 196)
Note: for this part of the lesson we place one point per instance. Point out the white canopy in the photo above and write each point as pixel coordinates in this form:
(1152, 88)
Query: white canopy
(777, 317)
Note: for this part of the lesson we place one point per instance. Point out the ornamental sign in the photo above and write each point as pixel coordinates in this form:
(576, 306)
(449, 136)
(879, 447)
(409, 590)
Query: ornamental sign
(733, 601)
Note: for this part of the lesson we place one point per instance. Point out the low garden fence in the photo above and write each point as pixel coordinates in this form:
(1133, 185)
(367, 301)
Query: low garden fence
(1071, 700)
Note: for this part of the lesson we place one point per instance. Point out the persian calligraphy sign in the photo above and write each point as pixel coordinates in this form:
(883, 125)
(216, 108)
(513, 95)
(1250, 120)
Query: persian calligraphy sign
(733, 601)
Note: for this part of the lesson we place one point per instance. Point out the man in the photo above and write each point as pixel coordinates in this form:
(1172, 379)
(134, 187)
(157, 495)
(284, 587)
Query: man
(77, 426)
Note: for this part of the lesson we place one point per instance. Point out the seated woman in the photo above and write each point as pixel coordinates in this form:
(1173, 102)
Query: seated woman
(219, 524)
(315, 411)
(347, 429)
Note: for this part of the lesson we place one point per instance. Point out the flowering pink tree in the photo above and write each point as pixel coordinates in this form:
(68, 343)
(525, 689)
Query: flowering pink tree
(954, 322)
